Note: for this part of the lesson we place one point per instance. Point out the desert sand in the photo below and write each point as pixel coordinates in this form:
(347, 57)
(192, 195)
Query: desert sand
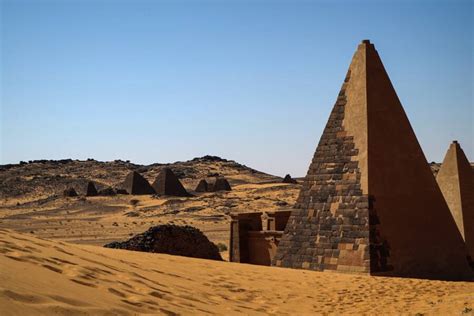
(44, 277)
(52, 260)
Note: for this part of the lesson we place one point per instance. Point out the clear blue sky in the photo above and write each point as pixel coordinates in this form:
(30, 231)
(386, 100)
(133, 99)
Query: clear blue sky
(253, 81)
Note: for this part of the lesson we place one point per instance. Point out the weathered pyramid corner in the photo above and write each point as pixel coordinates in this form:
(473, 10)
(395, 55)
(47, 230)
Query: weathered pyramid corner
(456, 181)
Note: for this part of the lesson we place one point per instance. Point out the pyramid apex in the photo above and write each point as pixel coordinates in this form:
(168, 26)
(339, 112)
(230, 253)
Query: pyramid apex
(366, 44)
(455, 145)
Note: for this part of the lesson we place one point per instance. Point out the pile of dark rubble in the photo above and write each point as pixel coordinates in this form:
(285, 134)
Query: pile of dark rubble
(176, 240)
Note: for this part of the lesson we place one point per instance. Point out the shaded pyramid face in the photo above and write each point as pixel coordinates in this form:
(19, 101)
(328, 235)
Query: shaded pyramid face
(369, 202)
(166, 183)
(91, 189)
(135, 184)
(221, 184)
(456, 181)
(202, 186)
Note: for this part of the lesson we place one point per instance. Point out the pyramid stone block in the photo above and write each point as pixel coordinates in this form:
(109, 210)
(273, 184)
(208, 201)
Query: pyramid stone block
(135, 184)
(456, 181)
(167, 183)
(369, 202)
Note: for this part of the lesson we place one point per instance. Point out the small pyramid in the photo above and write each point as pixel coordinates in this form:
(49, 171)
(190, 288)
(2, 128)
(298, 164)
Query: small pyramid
(289, 179)
(70, 192)
(167, 183)
(456, 181)
(221, 184)
(202, 186)
(369, 202)
(91, 189)
(135, 184)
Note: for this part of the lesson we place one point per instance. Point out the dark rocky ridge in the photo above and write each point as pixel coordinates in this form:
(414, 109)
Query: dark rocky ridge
(176, 240)
(42, 178)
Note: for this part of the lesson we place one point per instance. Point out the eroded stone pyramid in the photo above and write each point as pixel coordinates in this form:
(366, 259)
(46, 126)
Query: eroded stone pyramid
(369, 202)
(167, 183)
(456, 181)
(135, 184)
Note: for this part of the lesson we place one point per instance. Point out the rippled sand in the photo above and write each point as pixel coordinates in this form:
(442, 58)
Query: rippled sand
(39, 276)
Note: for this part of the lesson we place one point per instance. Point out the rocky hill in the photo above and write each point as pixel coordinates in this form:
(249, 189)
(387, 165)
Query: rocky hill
(43, 178)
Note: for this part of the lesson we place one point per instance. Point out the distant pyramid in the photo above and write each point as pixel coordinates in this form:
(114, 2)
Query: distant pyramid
(70, 192)
(221, 184)
(289, 179)
(202, 186)
(167, 183)
(91, 189)
(369, 202)
(135, 184)
(456, 181)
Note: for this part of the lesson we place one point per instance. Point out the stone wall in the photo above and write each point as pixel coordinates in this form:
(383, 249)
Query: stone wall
(329, 228)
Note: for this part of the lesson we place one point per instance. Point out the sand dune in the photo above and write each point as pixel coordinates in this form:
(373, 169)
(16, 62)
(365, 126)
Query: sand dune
(39, 276)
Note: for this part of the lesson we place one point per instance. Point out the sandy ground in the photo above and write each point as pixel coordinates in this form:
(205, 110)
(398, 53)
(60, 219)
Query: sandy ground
(99, 220)
(39, 276)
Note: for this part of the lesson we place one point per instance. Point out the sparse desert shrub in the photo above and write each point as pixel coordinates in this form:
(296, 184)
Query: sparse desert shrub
(222, 247)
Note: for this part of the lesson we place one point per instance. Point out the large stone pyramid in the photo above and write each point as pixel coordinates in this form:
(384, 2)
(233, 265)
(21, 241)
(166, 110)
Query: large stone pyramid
(167, 183)
(135, 184)
(456, 181)
(369, 202)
